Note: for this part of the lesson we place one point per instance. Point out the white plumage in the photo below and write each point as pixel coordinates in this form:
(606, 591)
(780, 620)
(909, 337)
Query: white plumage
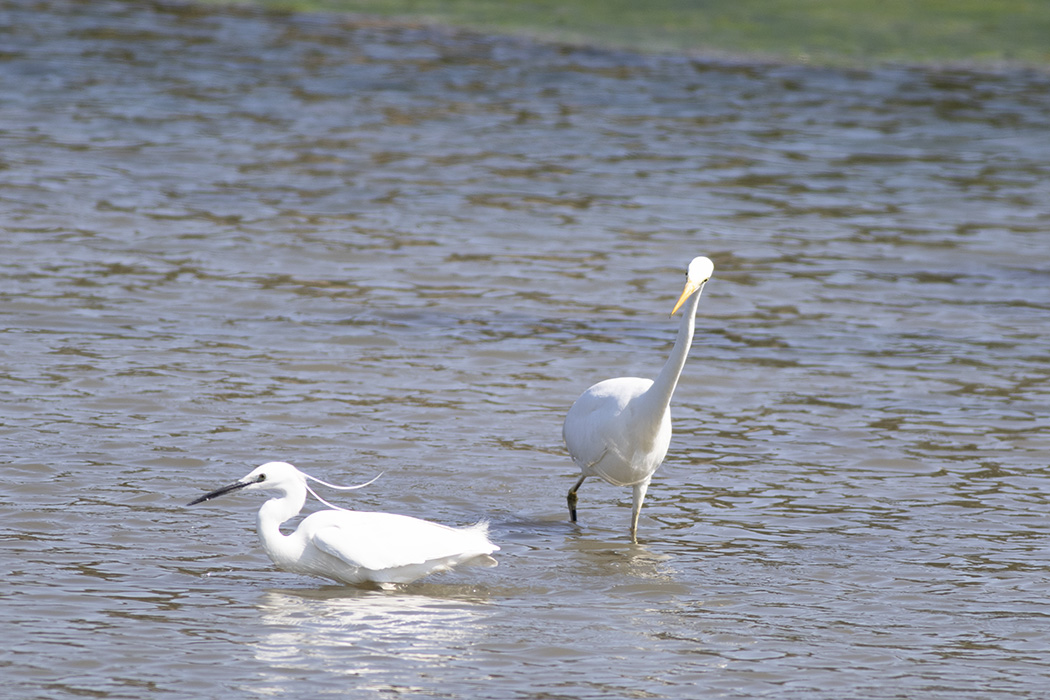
(354, 546)
(619, 429)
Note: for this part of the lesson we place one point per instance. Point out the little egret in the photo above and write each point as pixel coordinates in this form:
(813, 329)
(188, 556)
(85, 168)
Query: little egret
(620, 429)
(354, 546)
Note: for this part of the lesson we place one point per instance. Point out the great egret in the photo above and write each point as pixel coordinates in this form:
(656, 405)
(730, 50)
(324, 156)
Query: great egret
(620, 429)
(354, 546)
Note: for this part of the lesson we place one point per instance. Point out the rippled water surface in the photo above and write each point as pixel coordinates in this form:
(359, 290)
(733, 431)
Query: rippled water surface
(235, 237)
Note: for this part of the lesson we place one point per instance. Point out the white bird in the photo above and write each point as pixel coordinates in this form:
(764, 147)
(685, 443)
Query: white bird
(354, 546)
(620, 429)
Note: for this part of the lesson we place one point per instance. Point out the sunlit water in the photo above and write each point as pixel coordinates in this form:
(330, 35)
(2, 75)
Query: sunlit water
(235, 237)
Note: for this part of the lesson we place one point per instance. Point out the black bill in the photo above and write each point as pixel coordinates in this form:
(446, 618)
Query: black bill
(219, 492)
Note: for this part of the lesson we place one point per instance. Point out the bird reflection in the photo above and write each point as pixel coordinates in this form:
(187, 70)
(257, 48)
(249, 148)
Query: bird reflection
(371, 634)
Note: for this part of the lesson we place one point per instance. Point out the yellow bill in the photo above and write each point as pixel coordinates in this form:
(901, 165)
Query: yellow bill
(690, 287)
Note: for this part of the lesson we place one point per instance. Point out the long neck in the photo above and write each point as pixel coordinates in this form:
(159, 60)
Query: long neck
(279, 547)
(658, 397)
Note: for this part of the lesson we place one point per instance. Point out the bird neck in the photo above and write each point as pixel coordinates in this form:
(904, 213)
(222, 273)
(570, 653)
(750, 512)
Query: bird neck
(660, 393)
(280, 547)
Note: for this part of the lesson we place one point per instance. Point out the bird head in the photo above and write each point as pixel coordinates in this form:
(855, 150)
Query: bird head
(700, 270)
(272, 476)
(276, 476)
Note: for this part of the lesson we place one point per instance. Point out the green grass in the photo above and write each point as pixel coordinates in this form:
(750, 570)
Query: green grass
(979, 32)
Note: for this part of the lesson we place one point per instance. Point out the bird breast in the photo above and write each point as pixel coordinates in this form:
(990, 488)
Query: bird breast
(613, 433)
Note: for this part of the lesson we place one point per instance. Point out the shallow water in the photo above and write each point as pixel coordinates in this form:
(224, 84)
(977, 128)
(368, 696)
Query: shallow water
(235, 237)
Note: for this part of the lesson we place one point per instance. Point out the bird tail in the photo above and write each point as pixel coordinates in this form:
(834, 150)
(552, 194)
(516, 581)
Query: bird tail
(480, 530)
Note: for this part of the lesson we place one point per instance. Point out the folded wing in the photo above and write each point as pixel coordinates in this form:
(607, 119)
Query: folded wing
(385, 541)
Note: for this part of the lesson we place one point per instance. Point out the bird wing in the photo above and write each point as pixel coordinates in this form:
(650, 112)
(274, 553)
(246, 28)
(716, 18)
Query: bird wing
(594, 426)
(379, 541)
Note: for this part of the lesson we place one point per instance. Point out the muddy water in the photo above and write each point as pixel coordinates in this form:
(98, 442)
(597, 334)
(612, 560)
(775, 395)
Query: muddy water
(235, 237)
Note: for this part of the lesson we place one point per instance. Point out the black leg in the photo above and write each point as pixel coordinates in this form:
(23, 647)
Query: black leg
(571, 498)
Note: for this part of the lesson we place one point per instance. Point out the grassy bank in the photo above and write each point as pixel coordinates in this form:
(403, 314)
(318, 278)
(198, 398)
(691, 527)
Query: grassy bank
(979, 32)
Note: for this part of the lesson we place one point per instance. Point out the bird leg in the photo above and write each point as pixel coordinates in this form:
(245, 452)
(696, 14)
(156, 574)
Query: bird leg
(571, 498)
(639, 496)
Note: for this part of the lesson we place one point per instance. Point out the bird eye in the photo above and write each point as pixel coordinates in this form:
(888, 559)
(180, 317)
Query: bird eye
(261, 477)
